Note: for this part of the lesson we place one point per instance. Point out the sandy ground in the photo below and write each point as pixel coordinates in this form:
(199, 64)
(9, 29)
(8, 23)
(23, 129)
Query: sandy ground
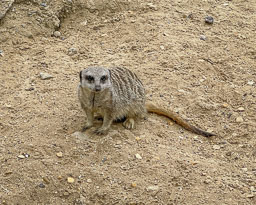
(204, 72)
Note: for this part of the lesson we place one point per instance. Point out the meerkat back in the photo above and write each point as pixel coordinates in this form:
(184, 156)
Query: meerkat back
(128, 93)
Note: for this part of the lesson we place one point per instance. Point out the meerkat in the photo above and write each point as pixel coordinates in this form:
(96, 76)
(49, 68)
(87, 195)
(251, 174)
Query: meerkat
(118, 93)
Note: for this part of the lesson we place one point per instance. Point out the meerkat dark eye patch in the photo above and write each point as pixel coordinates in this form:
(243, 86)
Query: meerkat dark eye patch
(89, 78)
(103, 78)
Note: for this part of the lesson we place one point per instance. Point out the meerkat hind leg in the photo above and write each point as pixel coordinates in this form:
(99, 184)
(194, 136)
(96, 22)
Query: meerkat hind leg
(129, 123)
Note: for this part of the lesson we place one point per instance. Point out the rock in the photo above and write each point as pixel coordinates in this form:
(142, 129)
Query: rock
(152, 188)
(1, 53)
(250, 82)
(138, 156)
(59, 154)
(216, 147)
(244, 169)
(137, 139)
(89, 181)
(250, 195)
(209, 20)
(239, 119)
(80, 135)
(57, 34)
(45, 76)
(241, 109)
(225, 105)
(70, 180)
(41, 185)
(21, 156)
(72, 51)
(162, 47)
(202, 37)
(152, 6)
(133, 184)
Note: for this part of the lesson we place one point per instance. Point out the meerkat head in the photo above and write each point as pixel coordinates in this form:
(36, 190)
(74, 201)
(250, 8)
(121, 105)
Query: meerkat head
(95, 78)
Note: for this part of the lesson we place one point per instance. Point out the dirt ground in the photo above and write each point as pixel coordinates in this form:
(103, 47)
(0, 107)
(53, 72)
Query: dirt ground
(204, 72)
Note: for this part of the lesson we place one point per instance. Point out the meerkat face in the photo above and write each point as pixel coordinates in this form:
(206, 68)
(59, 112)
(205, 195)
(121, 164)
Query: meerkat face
(96, 79)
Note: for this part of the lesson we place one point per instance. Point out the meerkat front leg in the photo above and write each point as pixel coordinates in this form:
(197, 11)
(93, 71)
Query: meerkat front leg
(107, 121)
(89, 123)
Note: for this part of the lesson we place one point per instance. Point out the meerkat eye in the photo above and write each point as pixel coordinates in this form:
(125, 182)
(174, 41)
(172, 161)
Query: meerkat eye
(104, 78)
(89, 78)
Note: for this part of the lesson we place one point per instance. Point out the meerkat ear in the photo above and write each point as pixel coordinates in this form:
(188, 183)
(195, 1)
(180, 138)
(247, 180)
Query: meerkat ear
(80, 75)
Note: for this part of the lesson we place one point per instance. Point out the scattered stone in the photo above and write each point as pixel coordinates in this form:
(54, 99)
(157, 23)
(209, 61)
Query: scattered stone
(225, 105)
(29, 89)
(70, 180)
(244, 169)
(162, 47)
(84, 23)
(137, 138)
(133, 184)
(151, 6)
(209, 20)
(239, 119)
(250, 82)
(41, 185)
(207, 181)
(250, 195)
(57, 34)
(1, 53)
(202, 37)
(252, 189)
(59, 154)
(216, 147)
(241, 109)
(43, 4)
(72, 51)
(45, 76)
(152, 188)
(89, 181)
(21, 156)
(46, 180)
(138, 156)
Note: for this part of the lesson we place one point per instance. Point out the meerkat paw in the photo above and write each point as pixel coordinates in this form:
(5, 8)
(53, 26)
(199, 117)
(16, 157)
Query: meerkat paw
(101, 131)
(86, 127)
(129, 123)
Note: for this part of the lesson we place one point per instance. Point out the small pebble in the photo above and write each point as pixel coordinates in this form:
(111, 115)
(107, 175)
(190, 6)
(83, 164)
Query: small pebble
(209, 20)
(225, 105)
(137, 138)
(72, 51)
(216, 147)
(138, 156)
(89, 181)
(57, 34)
(202, 37)
(239, 119)
(70, 180)
(152, 188)
(245, 169)
(21, 156)
(133, 185)
(250, 195)
(162, 47)
(250, 82)
(41, 185)
(59, 154)
(1, 53)
(45, 76)
(241, 109)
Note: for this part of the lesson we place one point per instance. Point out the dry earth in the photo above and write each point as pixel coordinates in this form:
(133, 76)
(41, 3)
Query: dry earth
(205, 72)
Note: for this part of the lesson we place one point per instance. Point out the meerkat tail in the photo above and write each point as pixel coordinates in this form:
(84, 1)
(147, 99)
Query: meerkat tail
(151, 108)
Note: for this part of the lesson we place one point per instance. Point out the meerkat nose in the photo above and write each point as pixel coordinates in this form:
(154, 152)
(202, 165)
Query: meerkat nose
(97, 88)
